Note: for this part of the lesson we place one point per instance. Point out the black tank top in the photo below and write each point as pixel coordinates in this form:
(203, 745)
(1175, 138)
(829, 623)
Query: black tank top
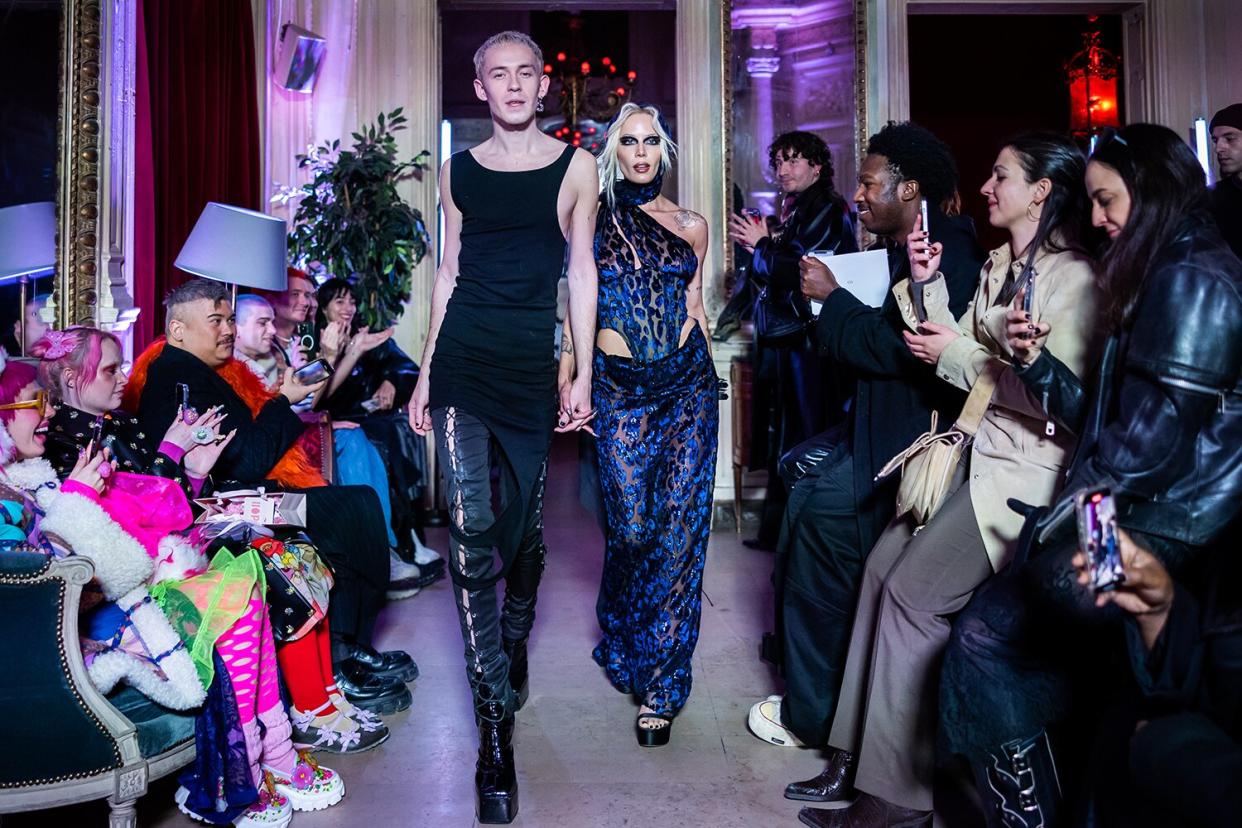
(495, 353)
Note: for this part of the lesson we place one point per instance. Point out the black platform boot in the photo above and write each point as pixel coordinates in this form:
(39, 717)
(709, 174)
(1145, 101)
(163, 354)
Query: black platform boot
(519, 672)
(1019, 784)
(495, 777)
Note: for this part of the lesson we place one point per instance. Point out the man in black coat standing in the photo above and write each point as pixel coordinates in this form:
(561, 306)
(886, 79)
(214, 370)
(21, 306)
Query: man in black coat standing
(346, 523)
(837, 510)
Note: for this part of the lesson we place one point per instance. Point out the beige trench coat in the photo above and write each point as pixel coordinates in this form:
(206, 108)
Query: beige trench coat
(1017, 452)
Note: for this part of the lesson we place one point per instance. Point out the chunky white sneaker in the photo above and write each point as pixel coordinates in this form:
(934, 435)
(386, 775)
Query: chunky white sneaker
(399, 570)
(271, 810)
(423, 554)
(765, 722)
(311, 786)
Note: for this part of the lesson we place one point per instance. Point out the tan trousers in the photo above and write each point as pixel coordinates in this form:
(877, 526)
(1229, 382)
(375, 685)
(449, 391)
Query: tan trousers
(886, 715)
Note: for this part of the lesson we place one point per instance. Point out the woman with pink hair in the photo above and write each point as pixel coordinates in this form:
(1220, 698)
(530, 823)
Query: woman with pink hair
(218, 606)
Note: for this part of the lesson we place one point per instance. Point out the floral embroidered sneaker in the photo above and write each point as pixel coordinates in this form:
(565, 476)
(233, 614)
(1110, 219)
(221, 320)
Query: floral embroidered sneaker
(311, 786)
(270, 810)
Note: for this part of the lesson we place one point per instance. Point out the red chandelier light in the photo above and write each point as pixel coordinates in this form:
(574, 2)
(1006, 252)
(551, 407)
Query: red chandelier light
(1092, 78)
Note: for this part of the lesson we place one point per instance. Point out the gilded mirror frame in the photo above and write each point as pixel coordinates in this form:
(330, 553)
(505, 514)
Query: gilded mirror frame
(79, 172)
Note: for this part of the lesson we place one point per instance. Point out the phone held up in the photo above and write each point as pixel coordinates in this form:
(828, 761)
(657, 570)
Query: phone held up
(313, 372)
(926, 220)
(1097, 535)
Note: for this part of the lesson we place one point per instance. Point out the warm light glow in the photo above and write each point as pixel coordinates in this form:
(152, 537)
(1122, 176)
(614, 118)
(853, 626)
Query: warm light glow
(632, 75)
(586, 68)
(560, 56)
(547, 68)
(1099, 109)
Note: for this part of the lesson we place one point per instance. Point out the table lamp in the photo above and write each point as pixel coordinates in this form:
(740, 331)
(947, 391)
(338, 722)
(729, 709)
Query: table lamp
(239, 246)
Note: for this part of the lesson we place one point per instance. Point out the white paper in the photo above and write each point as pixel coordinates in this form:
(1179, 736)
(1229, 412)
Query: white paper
(864, 274)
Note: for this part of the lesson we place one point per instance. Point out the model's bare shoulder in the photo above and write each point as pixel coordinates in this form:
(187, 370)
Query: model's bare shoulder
(689, 220)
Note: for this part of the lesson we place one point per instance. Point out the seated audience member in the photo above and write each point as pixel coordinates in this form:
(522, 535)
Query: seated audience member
(35, 326)
(1181, 760)
(371, 386)
(1160, 429)
(1227, 193)
(344, 522)
(293, 310)
(357, 461)
(792, 387)
(918, 576)
(837, 510)
(82, 367)
(129, 525)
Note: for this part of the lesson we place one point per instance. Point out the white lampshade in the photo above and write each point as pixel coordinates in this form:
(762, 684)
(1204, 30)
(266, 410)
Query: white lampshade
(232, 244)
(27, 239)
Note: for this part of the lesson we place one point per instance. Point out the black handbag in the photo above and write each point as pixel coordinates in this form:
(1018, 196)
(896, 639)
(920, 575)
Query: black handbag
(781, 318)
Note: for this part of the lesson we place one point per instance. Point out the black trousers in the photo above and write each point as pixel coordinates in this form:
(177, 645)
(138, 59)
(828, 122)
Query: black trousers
(1031, 646)
(818, 572)
(464, 449)
(346, 524)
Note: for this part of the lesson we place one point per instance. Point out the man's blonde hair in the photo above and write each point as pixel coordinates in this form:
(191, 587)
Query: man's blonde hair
(501, 39)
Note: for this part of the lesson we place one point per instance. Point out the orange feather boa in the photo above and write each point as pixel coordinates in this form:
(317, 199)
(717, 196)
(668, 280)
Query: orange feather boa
(296, 469)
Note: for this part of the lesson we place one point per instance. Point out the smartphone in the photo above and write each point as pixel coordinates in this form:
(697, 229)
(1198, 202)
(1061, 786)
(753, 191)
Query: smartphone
(926, 219)
(1097, 535)
(1028, 298)
(183, 396)
(313, 372)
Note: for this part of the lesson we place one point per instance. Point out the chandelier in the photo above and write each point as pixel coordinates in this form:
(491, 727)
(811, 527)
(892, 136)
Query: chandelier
(590, 92)
(1092, 77)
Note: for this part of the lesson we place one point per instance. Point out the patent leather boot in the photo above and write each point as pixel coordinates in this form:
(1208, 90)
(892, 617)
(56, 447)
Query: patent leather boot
(495, 777)
(834, 783)
(519, 671)
(1019, 785)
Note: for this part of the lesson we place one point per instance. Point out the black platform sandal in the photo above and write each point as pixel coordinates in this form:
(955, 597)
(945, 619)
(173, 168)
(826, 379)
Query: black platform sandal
(653, 736)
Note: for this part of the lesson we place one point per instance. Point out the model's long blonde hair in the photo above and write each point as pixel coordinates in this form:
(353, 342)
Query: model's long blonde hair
(610, 168)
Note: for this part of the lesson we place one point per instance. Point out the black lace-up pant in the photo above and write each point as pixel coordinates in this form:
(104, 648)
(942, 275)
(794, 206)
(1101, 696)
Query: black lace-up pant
(464, 450)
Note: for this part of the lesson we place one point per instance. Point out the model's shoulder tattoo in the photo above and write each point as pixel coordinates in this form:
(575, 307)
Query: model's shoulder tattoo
(687, 218)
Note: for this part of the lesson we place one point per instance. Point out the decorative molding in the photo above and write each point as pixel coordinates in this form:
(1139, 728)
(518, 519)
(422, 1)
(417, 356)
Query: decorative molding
(763, 67)
(704, 116)
(78, 194)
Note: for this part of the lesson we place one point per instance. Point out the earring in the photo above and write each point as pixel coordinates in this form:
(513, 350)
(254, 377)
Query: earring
(539, 106)
(1028, 212)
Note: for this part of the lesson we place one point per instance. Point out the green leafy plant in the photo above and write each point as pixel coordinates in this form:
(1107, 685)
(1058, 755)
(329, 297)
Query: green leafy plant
(351, 222)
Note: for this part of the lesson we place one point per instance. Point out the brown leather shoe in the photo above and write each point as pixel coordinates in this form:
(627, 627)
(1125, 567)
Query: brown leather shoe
(867, 812)
(834, 783)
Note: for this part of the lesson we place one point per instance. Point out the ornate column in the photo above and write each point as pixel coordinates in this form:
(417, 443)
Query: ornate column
(703, 123)
(763, 63)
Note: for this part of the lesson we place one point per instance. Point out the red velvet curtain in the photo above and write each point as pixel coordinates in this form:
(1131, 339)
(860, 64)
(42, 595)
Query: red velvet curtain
(203, 116)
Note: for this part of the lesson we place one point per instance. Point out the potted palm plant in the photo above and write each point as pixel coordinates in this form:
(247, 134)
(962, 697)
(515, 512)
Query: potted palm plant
(352, 223)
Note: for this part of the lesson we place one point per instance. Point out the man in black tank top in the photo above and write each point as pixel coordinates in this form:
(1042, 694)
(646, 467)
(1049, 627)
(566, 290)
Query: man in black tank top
(488, 385)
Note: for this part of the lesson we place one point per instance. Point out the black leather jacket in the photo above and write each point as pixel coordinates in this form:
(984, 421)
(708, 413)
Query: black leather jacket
(820, 221)
(1163, 427)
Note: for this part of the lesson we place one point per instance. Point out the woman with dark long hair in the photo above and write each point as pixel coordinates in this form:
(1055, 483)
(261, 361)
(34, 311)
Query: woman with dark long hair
(916, 577)
(371, 386)
(1161, 429)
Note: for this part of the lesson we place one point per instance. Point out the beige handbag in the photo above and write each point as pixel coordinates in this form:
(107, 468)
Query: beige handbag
(929, 464)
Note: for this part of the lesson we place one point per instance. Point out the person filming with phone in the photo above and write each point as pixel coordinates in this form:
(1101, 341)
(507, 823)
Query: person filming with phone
(1176, 758)
(1159, 426)
(793, 388)
(345, 522)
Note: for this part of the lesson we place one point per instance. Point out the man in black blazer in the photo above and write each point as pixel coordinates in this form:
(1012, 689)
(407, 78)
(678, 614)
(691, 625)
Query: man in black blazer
(346, 523)
(836, 509)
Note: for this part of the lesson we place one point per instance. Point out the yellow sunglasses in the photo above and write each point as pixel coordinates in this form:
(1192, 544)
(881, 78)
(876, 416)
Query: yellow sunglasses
(40, 402)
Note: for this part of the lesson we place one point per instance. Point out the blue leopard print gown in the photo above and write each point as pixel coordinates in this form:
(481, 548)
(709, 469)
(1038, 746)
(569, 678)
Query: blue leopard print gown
(656, 416)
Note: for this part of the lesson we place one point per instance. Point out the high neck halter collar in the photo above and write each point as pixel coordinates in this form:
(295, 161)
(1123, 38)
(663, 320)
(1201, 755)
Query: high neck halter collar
(629, 194)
